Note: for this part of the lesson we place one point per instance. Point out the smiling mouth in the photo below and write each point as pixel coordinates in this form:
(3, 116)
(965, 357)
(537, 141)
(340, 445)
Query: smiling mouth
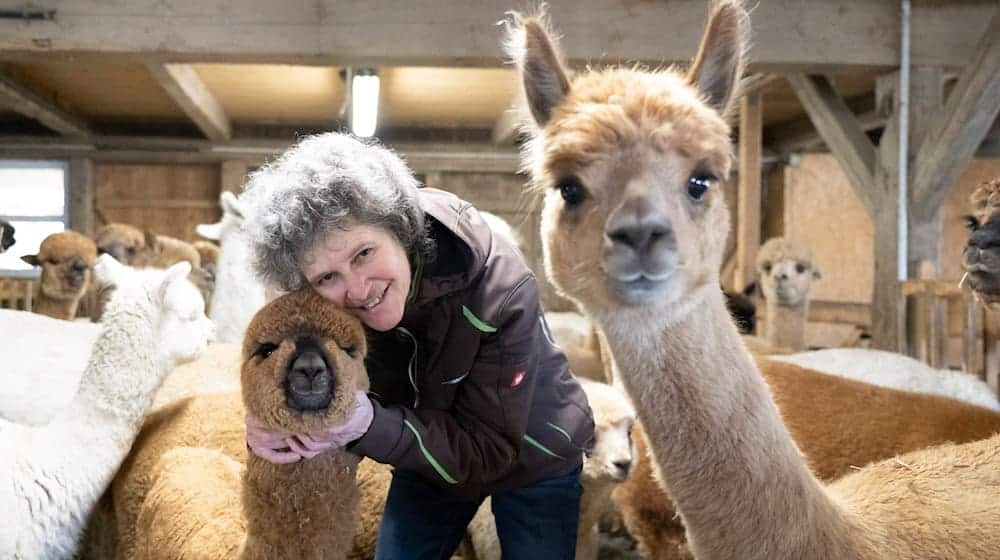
(372, 303)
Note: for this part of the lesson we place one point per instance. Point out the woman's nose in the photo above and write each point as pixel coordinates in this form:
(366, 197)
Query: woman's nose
(357, 287)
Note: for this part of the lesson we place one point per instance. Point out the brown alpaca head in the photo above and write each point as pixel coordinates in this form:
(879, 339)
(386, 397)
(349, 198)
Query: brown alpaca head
(303, 359)
(123, 242)
(632, 164)
(786, 271)
(67, 259)
(981, 258)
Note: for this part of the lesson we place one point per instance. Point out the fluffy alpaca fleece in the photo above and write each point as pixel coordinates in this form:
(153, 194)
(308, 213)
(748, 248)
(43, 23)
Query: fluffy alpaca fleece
(786, 270)
(837, 423)
(610, 143)
(607, 465)
(896, 371)
(66, 259)
(302, 510)
(162, 251)
(56, 473)
(238, 293)
(199, 406)
(42, 365)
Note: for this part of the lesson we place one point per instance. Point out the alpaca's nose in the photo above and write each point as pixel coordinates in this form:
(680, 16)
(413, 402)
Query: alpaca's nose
(624, 465)
(781, 276)
(309, 383)
(640, 235)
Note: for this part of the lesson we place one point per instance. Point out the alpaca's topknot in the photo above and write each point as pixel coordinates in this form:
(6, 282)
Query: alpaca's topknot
(779, 249)
(66, 244)
(985, 199)
(279, 327)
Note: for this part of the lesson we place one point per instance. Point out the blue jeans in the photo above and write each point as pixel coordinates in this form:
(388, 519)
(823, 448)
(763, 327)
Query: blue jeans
(424, 522)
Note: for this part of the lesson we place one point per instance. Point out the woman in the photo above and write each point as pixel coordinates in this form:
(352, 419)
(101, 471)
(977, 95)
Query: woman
(470, 398)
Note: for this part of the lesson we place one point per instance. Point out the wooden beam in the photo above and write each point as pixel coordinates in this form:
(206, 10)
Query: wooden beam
(184, 86)
(959, 130)
(166, 203)
(447, 33)
(748, 202)
(799, 135)
(233, 175)
(81, 195)
(32, 104)
(841, 131)
(888, 332)
(422, 157)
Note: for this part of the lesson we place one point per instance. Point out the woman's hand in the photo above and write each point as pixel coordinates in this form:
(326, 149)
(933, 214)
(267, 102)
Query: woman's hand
(282, 447)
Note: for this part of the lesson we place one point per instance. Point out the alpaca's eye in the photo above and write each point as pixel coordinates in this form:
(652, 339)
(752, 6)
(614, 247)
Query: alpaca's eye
(801, 268)
(698, 185)
(571, 190)
(972, 223)
(130, 250)
(53, 262)
(766, 267)
(351, 350)
(264, 349)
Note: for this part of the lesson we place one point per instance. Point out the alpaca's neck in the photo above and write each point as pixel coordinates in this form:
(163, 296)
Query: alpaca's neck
(785, 327)
(593, 503)
(238, 294)
(64, 309)
(735, 474)
(304, 510)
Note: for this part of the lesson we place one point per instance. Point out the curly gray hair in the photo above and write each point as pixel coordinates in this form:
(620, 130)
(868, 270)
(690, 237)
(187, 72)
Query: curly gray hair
(326, 182)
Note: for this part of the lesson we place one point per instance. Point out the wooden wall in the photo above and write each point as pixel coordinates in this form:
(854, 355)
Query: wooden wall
(169, 199)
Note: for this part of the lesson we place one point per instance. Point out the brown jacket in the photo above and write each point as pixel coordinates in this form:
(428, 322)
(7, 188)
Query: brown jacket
(470, 390)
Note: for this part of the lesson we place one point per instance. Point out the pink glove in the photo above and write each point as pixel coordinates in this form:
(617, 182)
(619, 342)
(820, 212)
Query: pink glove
(266, 443)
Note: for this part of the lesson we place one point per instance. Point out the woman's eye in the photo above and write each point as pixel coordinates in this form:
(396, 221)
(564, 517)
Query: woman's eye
(324, 279)
(698, 185)
(265, 349)
(366, 252)
(572, 191)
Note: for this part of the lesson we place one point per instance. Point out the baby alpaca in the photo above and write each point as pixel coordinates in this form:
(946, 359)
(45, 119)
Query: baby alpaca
(54, 474)
(302, 363)
(66, 259)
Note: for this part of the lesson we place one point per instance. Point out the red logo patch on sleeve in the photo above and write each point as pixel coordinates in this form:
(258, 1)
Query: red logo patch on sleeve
(518, 378)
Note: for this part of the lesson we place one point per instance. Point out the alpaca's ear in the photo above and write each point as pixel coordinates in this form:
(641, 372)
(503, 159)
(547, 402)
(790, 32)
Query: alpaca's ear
(532, 47)
(108, 272)
(176, 272)
(151, 242)
(231, 205)
(209, 231)
(31, 259)
(718, 66)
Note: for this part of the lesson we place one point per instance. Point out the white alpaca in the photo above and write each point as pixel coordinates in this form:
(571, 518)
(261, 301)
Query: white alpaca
(238, 293)
(606, 466)
(895, 371)
(53, 475)
(42, 364)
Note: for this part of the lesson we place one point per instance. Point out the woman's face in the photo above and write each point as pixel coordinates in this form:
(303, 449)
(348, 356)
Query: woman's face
(365, 270)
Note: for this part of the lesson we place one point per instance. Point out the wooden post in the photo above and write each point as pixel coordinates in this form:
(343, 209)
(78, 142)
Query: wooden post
(972, 338)
(81, 195)
(748, 205)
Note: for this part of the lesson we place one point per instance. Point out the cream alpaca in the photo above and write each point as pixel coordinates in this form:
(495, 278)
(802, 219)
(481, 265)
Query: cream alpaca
(238, 293)
(200, 503)
(634, 230)
(604, 468)
(56, 473)
(786, 270)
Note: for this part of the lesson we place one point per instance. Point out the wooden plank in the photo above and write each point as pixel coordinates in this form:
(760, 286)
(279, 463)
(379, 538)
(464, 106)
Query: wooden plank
(446, 33)
(81, 195)
(506, 128)
(165, 203)
(847, 313)
(958, 131)
(35, 105)
(799, 135)
(185, 87)
(748, 205)
(888, 312)
(841, 131)
(234, 175)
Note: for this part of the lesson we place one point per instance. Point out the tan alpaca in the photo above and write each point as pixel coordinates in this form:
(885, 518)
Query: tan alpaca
(67, 259)
(203, 503)
(634, 229)
(786, 271)
(837, 423)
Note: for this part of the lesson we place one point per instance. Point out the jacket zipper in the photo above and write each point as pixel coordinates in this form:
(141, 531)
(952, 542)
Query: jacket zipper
(411, 369)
